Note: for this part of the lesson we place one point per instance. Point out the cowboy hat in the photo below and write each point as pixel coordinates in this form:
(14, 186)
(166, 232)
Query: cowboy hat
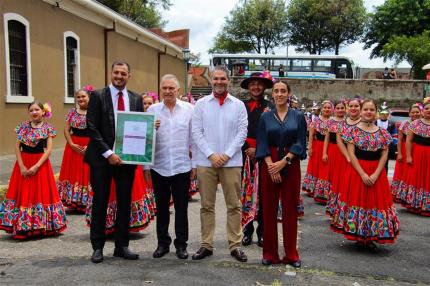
(259, 76)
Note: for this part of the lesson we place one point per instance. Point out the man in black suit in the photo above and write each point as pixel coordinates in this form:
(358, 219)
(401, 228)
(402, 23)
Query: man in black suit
(105, 165)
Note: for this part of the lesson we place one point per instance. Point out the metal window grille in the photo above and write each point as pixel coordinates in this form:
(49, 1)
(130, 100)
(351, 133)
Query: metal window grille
(71, 50)
(18, 58)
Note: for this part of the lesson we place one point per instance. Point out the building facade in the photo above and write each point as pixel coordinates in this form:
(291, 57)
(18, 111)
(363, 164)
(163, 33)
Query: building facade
(49, 49)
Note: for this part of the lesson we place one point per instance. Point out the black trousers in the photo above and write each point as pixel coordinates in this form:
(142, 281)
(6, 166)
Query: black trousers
(101, 179)
(176, 186)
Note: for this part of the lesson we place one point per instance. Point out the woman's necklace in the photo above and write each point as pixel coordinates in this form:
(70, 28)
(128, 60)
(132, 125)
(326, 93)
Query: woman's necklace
(36, 124)
(368, 123)
(81, 111)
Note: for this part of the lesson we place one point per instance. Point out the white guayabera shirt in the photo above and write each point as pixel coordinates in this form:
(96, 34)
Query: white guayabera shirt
(219, 129)
(173, 140)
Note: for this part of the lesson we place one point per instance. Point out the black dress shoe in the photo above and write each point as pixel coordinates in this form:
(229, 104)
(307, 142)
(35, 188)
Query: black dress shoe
(202, 253)
(160, 252)
(182, 253)
(260, 241)
(296, 264)
(97, 256)
(125, 253)
(246, 240)
(239, 255)
(266, 262)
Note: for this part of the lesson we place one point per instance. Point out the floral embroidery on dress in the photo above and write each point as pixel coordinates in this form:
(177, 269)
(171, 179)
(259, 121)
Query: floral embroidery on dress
(30, 136)
(367, 141)
(404, 127)
(76, 120)
(420, 128)
(335, 126)
(319, 125)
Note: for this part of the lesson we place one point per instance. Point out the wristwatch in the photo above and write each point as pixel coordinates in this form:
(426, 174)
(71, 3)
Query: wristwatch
(288, 159)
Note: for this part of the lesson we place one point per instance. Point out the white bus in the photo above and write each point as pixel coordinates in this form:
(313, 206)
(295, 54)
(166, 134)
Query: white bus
(298, 66)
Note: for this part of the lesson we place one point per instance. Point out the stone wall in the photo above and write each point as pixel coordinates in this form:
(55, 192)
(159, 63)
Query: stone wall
(397, 93)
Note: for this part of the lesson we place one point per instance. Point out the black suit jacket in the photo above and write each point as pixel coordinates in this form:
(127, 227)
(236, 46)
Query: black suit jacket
(101, 124)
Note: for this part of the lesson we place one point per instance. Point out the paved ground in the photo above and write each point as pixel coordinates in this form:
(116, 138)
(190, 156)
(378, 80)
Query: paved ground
(327, 258)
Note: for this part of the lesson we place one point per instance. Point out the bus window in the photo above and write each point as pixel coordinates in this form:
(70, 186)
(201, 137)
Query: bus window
(217, 62)
(301, 65)
(277, 63)
(343, 69)
(322, 65)
(260, 64)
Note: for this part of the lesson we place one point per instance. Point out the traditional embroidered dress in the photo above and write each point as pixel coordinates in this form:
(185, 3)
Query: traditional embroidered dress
(336, 161)
(401, 168)
(75, 173)
(32, 206)
(415, 193)
(251, 205)
(365, 213)
(316, 181)
(143, 208)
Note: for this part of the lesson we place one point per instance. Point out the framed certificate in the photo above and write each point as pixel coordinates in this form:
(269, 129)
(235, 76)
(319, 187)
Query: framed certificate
(135, 137)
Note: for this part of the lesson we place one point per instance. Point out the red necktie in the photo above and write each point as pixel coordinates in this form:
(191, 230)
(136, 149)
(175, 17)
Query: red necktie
(120, 102)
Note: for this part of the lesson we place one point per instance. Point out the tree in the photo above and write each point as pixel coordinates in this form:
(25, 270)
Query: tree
(253, 26)
(396, 18)
(413, 49)
(143, 12)
(307, 25)
(319, 25)
(346, 22)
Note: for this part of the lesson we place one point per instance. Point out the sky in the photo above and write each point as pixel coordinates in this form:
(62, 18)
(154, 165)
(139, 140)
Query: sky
(204, 18)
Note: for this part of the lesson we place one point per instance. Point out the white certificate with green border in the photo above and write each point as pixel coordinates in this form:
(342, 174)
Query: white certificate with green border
(135, 137)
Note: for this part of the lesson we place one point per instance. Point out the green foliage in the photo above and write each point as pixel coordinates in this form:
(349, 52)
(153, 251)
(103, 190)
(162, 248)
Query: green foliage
(413, 49)
(253, 26)
(346, 22)
(396, 18)
(143, 12)
(320, 25)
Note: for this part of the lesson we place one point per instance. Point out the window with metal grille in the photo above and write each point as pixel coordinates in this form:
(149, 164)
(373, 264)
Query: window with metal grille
(71, 65)
(18, 58)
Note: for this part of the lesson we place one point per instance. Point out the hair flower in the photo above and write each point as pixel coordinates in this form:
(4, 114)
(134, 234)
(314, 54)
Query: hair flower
(88, 88)
(47, 109)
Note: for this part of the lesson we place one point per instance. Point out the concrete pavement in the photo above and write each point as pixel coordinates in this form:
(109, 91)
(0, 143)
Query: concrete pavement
(328, 259)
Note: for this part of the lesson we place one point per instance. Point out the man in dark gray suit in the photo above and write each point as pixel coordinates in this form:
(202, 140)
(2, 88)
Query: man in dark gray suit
(105, 165)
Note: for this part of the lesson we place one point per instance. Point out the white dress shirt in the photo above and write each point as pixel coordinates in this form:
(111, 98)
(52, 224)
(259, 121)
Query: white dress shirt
(114, 95)
(173, 140)
(219, 129)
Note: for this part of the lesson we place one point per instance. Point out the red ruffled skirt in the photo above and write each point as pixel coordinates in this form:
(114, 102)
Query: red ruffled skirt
(415, 193)
(366, 213)
(316, 181)
(400, 174)
(337, 166)
(143, 208)
(32, 206)
(74, 177)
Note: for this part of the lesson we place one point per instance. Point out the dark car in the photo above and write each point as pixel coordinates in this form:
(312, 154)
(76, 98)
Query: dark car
(397, 116)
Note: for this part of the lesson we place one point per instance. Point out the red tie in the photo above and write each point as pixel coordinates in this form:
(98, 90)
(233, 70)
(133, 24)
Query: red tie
(120, 102)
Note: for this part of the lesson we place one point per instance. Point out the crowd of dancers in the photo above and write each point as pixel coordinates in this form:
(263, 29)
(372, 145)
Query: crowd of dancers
(347, 154)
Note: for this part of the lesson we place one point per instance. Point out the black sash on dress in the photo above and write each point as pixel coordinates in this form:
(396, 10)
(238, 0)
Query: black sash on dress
(420, 140)
(368, 155)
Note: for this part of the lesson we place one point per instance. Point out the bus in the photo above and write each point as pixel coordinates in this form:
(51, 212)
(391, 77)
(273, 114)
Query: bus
(296, 66)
